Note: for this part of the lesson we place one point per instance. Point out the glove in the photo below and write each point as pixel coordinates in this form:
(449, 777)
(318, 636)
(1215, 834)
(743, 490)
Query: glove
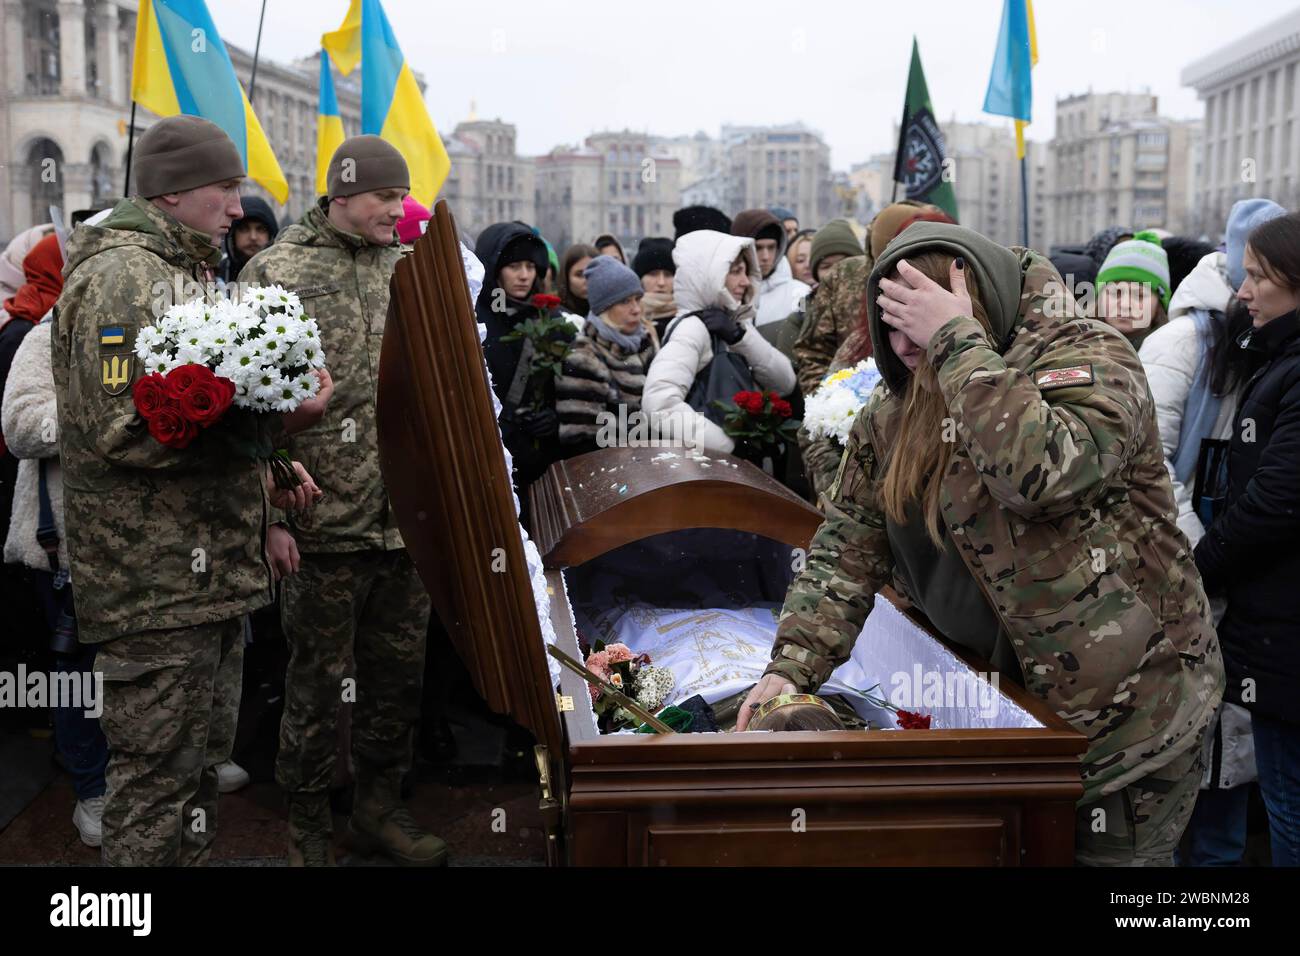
(723, 324)
(539, 424)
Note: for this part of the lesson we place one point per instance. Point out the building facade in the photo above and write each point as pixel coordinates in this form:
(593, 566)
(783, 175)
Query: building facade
(787, 166)
(489, 181)
(1117, 162)
(617, 183)
(65, 109)
(987, 183)
(1252, 123)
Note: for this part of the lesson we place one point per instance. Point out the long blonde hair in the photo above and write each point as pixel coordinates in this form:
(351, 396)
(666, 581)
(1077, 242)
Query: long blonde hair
(920, 457)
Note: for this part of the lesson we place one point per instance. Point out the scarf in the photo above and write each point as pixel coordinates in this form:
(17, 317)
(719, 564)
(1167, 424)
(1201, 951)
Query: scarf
(659, 305)
(630, 343)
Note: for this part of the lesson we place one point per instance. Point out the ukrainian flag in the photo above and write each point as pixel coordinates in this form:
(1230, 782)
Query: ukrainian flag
(1011, 90)
(181, 66)
(391, 104)
(329, 125)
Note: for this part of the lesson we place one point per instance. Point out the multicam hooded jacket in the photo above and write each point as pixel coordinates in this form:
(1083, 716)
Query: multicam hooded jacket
(157, 537)
(1059, 503)
(343, 282)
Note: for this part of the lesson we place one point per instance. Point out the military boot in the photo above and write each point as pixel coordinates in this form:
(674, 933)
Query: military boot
(380, 824)
(311, 830)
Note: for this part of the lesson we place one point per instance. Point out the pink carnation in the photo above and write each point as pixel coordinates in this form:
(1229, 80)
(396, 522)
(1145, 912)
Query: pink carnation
(598, 663)
(618, 653)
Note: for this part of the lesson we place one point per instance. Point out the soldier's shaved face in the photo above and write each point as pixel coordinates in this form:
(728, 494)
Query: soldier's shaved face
(372, 215)
(208, 209)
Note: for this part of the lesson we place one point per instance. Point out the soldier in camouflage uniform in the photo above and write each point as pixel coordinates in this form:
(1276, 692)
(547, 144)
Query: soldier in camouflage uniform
(1056, 516)
(168, 548)
(836, 310)
(357, 599)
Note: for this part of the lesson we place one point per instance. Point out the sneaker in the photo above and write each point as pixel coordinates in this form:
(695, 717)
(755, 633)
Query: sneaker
(231, 777)
(88, 819)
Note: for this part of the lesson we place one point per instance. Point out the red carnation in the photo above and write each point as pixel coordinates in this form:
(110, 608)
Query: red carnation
(206, 401)
(150, 394)
(751, 402)
(782, 407)
(908, 720)
(170, 428)
(184, 377)
(544, 301)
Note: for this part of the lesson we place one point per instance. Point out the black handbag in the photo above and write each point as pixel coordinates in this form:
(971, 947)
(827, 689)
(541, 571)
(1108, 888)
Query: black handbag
(1210, 489)
(726, 374)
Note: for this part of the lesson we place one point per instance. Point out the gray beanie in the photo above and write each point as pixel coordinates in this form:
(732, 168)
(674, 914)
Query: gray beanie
(608, 283)
(1242, 220)
(363, 164)
(184, 152)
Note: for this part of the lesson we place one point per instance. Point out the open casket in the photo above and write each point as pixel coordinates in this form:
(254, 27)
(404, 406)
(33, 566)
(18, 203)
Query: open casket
(619, 535)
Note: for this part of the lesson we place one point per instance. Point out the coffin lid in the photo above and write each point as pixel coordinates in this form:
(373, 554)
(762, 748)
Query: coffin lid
(445, 472)
(594, 503)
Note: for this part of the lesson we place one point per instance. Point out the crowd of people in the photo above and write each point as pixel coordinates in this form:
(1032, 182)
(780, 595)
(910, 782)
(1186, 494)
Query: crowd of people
(1079, 464)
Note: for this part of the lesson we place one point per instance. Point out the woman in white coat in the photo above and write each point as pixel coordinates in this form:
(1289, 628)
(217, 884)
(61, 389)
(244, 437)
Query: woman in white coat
(715, 286)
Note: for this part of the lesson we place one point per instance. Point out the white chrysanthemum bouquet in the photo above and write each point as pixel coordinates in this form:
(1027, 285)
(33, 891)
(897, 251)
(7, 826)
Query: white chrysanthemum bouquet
(263, 344)
(830, 411)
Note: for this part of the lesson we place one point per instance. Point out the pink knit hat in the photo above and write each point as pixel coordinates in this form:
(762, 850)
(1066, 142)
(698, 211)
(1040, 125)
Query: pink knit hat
(408, 227)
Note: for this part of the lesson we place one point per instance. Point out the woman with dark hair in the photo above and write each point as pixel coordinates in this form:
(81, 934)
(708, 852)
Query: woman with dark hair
(572, 282)
(1196, 373)
(1006, 476)
(1249, 552)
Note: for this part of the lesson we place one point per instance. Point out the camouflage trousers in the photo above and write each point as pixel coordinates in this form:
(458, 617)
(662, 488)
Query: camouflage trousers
(171, 703)
(1141, 824)
(360, 615)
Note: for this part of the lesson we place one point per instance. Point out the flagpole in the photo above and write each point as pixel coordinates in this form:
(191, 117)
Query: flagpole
(257, 49)
(130, 147)
(1024, 200)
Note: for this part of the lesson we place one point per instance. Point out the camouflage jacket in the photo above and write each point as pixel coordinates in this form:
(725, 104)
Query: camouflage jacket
(343, 283)
(157, 537)
(836, 310)
(837, 306)
(1061, 506)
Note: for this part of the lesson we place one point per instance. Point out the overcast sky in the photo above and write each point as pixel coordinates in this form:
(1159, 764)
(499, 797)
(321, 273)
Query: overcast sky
(562, 70)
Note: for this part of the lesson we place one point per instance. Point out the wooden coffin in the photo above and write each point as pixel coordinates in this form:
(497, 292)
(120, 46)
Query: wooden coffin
(968, 795)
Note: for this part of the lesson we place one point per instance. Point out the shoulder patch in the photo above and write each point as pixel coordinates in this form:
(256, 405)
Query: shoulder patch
(115, 371)
(1064, 377)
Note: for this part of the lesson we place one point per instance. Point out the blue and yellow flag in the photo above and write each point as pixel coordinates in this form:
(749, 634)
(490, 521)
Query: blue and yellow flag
(329, 124)
(391, 103)
(1011, 90)
(181, 66)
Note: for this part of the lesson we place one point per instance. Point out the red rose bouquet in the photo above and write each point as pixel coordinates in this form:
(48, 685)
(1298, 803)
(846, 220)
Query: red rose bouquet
(550, 337)
(760, 423)
(176, 406)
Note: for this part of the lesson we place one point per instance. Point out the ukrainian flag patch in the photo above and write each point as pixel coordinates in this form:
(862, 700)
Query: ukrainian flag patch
(112, 335)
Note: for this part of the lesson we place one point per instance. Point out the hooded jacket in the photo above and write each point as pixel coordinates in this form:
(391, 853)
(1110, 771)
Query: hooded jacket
(157, 537)
(531, 456)
(233, 261)
(780, 293)
(343, 283)
(1059, 503)
(1173, 356)
(703, 260)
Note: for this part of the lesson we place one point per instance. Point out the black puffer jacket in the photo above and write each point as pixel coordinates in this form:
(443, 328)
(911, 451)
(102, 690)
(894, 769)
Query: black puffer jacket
(1252, 552)
(531, 456)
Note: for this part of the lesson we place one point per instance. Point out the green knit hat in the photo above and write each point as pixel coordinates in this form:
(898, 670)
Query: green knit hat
(834, 238)
(1140, 259)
